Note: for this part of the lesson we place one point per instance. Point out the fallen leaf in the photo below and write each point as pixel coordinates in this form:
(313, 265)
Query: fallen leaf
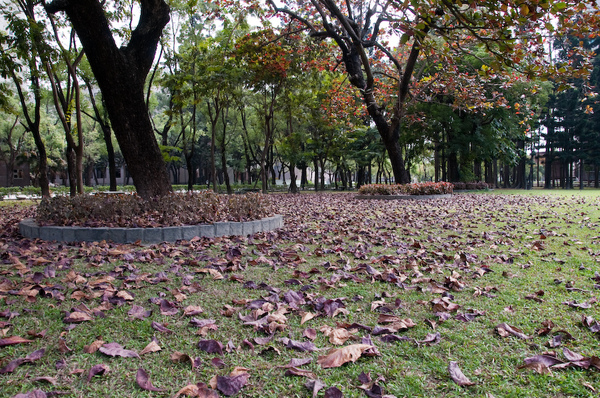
(97, 370)
(333, 392)
(92, 348)
(197, 390)
(77, 317)
(115, 349)
(32, 394)
(505, 330)
(314, 386)
(298, 345)
(46, 379)
(337, 336)
(14, 340)
(293, 371)
(15, 363)
(192, 310)
(143, 380)
(151, 347)
(309, 333)
(211, 346)
(431, 339)
(160, 327)
(168, 308)
(231, 385)
(138, 312)
(306, 316)
(538, 367)
(457, 375)
(338, 357)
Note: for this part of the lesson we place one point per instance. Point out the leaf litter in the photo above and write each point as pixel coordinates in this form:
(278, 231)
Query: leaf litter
(397, 247)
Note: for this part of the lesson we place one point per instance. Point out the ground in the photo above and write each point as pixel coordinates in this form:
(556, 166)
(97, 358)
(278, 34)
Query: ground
(435, 298)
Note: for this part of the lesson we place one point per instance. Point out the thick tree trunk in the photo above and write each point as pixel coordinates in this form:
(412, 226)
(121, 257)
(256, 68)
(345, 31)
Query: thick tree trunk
(121, 75)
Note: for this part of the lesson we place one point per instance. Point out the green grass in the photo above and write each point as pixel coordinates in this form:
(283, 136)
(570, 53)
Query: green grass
(336, 235)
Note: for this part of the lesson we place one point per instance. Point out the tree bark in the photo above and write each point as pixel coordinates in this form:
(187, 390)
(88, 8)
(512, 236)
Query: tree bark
(121, 75)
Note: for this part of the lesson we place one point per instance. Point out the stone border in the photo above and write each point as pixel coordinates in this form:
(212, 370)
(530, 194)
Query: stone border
(30, 229)
(404, 197)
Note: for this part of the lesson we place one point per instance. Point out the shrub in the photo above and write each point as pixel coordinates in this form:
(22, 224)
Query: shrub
(379, 189)
(421, 188)
(170, 210)
(480, 185)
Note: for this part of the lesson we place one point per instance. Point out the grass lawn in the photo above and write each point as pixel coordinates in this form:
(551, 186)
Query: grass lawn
(339, 272)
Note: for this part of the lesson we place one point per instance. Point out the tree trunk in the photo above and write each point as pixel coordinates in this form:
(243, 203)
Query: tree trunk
(548, 169)
(316, 173)
(581, 171)
(121, 75)
(70, 155)
(293, 186)
(33, 125)
(223, 153)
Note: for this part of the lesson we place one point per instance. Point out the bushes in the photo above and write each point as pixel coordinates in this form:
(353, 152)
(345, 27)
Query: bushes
(471, 186)
(421, 188)
(380, 189)
(132, 211)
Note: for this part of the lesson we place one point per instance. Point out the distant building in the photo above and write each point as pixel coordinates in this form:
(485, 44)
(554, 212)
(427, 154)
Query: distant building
(20, 175)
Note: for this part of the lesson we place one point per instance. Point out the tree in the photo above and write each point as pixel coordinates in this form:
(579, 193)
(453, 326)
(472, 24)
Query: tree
(121, 75)
(12, 141)
(362, 30)
(267, 63)
(19, 59)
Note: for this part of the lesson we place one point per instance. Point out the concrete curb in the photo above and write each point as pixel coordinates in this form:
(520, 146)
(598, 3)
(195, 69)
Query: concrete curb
(404, 197)
(30, 229)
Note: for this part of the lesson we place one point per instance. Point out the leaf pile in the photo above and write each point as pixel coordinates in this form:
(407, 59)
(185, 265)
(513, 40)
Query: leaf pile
(350, 298)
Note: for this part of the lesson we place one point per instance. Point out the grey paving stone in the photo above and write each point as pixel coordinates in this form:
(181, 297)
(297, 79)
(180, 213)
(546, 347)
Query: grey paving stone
(189, 231)
(268, 223)
(71, 234)
(235, 228)
(247, 228)
(30, 229)
(51, 233)
(25, 228)
(206, 230)
(257, 226)
(134, 234)
(118, 235)
(153, 235)
(87, 235)
(172, 234)
(222, 229)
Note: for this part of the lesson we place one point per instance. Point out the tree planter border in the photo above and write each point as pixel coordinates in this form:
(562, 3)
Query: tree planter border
(30, 229)
(404, 197)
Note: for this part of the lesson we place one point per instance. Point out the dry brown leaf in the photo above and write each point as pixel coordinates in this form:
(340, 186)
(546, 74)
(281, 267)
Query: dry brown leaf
(151, 347)
(338, 357)
(92, 348)
(192, 310)
(77, 317)
(306, 316)
(336, 336)
(457, 375)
